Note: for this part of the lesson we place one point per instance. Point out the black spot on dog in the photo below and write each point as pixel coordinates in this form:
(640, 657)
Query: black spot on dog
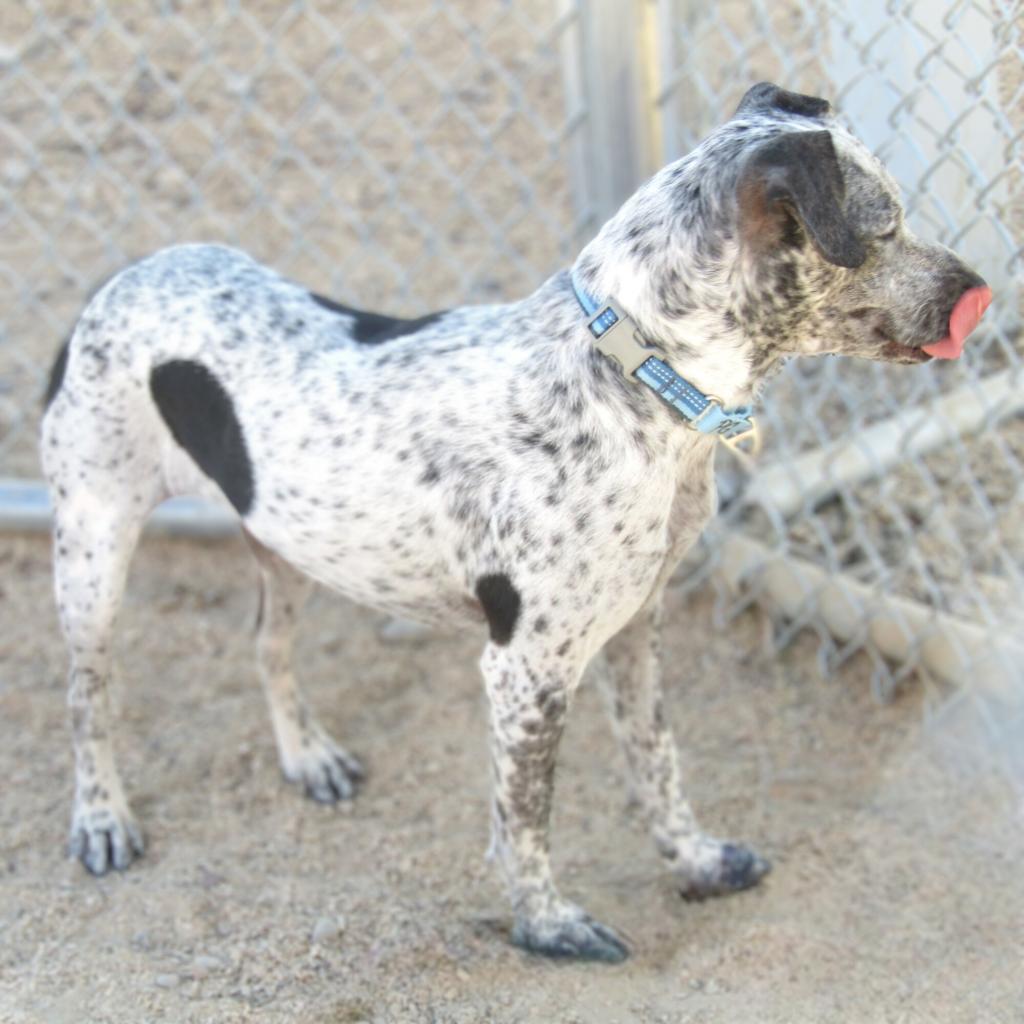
(201, 418)
(550, 701)
(60, 364)
(430, 475)
(373, 328)
(538, 440)
(501, 603)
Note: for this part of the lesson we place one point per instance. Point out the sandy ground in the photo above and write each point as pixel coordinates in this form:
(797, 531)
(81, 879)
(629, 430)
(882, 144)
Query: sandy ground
(896, 894)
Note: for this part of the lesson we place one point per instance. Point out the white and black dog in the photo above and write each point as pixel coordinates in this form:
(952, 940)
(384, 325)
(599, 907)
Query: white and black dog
(532, 465)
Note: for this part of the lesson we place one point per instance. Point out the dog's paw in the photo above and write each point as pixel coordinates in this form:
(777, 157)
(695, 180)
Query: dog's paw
(326, 772)
(103, 838)
(734, 867)
(571, 935)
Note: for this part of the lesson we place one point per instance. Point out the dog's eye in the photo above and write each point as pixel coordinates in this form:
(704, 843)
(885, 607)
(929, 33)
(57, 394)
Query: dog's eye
(889, 235)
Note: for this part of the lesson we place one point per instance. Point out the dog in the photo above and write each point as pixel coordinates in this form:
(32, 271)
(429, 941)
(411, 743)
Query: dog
(538, 468)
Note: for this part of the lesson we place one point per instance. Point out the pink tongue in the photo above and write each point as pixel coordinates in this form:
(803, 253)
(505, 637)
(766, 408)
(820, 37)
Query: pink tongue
(966, 315)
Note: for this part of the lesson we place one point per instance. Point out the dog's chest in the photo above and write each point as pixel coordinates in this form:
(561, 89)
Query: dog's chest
(696, 497)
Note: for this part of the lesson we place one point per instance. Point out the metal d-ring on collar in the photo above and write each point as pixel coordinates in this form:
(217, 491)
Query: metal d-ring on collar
(619, 338)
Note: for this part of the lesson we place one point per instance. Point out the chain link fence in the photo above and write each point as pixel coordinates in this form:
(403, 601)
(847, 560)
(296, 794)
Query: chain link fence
(887, 512)
(410, 155)
(404, 156)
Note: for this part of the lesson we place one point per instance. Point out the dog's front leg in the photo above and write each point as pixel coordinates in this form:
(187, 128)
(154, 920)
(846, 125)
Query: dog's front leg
(528, 702)
(702, 866)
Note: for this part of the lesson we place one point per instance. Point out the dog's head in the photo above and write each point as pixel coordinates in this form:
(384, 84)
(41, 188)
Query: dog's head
(818, 215)
(782, 234)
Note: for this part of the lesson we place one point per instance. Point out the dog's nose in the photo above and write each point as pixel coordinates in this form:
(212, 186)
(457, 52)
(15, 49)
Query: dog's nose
(966, 315)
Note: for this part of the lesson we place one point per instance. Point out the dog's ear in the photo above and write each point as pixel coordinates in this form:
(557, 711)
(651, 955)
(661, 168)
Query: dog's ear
(797, 174)
(766, 96)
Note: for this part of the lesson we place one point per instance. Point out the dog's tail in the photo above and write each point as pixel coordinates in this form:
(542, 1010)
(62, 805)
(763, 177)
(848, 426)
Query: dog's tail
(60, 364)
(57, 373)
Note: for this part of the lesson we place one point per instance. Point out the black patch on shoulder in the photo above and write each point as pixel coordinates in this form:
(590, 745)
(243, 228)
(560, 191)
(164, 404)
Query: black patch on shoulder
(501, 602)
(201, 417)
(373, 328)
(60, 364)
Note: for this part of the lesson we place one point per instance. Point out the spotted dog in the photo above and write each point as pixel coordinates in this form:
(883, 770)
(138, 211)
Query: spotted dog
(497, 464)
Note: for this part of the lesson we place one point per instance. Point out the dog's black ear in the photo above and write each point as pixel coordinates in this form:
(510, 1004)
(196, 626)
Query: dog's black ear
(766, 96)
(798, 174)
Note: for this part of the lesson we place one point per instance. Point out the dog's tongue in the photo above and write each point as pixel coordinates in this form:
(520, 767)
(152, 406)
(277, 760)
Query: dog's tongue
(966, 315)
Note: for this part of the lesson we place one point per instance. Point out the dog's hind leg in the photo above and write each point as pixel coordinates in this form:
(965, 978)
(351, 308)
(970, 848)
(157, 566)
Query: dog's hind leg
(309, 757)
(528, 697)
(95, 532)
(702, 866)
(100, 457)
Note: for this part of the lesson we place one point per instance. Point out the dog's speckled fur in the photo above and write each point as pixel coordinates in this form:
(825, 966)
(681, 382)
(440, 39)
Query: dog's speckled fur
(484, 465)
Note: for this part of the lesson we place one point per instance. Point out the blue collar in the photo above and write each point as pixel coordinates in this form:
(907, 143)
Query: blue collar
(619, 338)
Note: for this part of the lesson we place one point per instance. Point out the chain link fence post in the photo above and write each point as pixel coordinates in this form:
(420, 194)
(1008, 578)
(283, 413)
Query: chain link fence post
(620, 132)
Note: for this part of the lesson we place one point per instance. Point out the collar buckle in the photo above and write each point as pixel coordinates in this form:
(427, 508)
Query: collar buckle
(618, 337)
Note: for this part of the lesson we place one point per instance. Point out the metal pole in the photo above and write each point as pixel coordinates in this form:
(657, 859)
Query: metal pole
(619, 127)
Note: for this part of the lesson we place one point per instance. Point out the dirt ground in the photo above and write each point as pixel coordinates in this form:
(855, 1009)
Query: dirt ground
(895, 896)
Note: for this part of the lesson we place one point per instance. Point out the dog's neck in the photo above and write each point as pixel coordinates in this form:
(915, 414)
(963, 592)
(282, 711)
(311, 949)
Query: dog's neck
(700, 346)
